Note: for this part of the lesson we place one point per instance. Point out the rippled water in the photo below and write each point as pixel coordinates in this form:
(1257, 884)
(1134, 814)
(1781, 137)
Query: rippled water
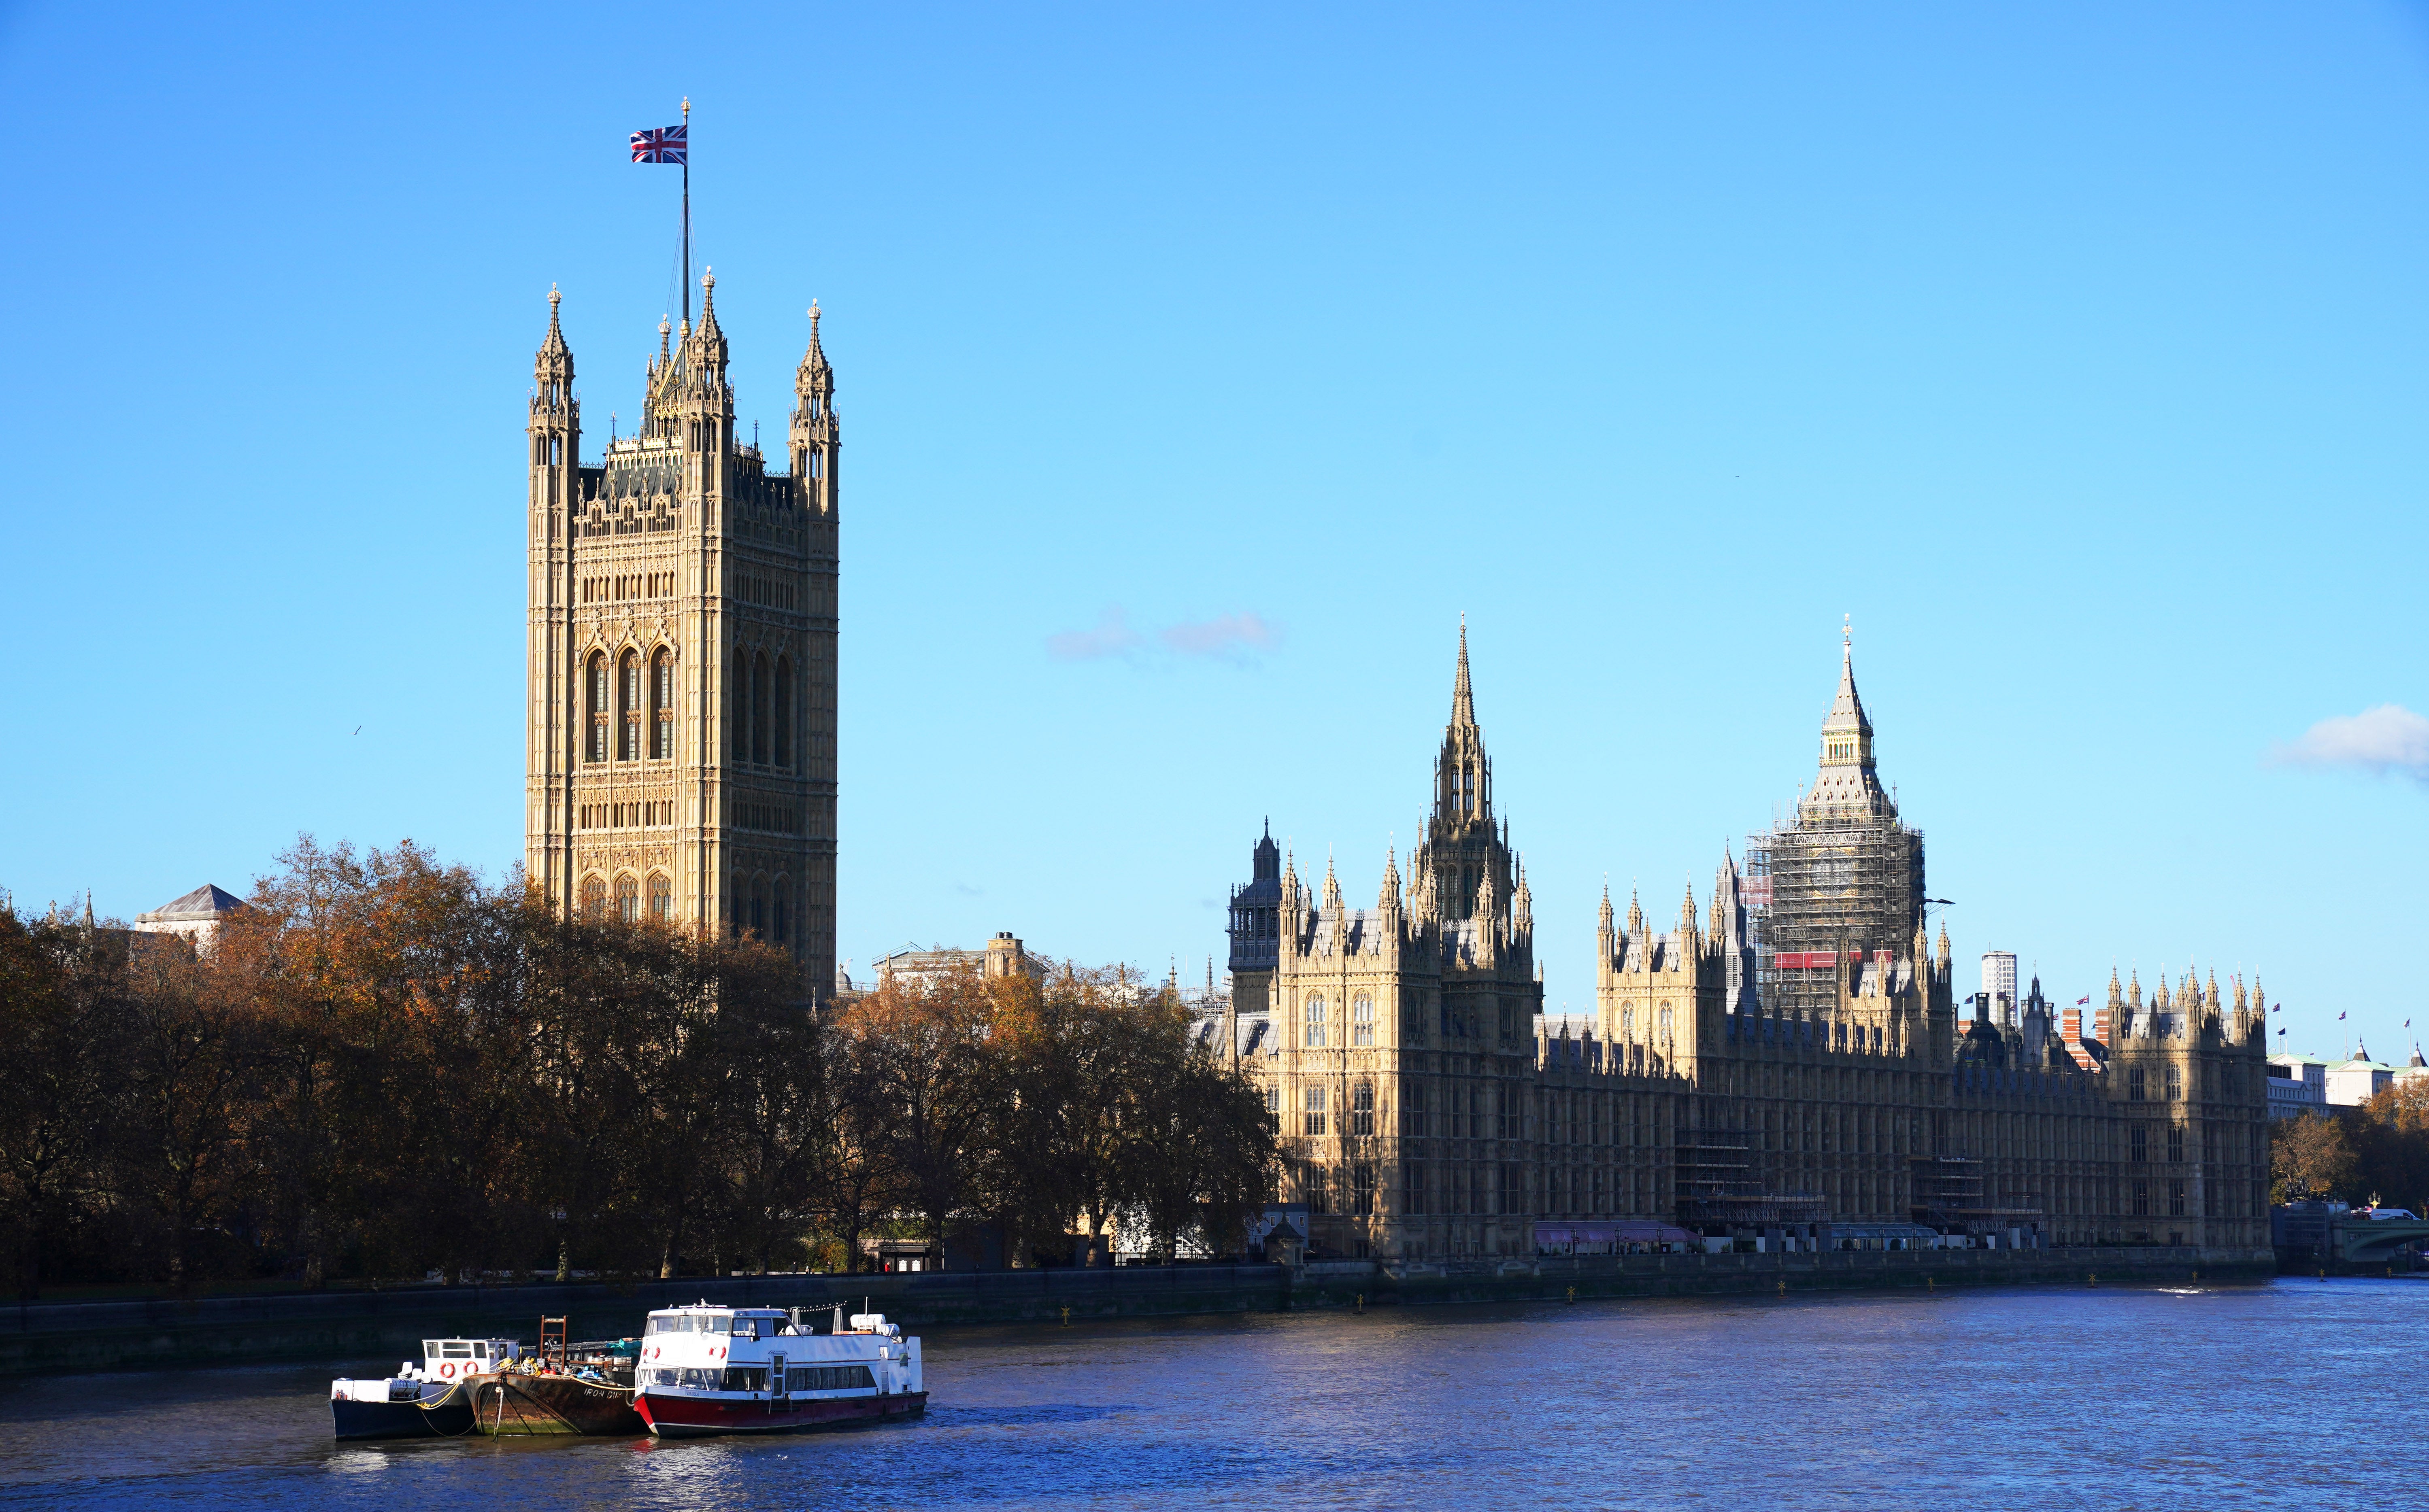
(2296, 1394)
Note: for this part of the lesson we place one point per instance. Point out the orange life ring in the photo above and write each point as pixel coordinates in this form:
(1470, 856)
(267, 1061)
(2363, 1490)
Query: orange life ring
(447, 1372)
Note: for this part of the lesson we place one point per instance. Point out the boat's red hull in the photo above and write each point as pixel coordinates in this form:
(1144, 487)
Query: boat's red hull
(692, 1417)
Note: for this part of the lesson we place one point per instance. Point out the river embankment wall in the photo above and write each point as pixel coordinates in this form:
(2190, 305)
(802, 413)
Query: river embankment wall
(354, 1327)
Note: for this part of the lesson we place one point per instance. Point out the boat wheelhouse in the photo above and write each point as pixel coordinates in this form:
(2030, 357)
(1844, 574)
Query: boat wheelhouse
(714, 1370)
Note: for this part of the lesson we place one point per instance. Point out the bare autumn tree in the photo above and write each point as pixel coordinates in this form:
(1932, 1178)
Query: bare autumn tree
(59, 992)
(1207, 1147)
(852, 1175)
(933, 1084)
(2310, 1157)
(189, 1059)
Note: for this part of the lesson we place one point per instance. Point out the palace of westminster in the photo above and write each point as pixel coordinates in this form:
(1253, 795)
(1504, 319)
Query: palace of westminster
(1787, 1067)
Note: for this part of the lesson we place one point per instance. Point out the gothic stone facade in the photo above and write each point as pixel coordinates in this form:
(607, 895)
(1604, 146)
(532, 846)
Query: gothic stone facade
(681, 653)
(1429, 1113)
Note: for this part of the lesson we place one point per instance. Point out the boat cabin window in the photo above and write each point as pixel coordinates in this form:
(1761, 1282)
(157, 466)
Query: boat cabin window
(455, 1349)
(719, 1325)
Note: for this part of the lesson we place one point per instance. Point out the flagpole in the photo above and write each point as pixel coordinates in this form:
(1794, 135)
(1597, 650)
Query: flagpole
(687, 210)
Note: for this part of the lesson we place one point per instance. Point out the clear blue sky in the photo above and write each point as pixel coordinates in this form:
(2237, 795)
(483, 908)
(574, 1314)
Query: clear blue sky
(1199, 369)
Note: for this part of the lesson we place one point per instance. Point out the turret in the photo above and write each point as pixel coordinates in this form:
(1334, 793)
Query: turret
(1522, 910)
(816, 441)
(556, 424)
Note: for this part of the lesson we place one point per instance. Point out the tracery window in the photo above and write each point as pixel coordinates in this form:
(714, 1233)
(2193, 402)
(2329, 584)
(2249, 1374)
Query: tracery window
(759, 907)
(594, 896)
(739, 707)
(784, 916)
(1313, 1110)
(662, 898)
(759, 709)
(1362, 1109)
(1362, 1020)
(2134, 1084)
(2175, 1083)
(628, 707)
(784, 711)
(628, 899)
(662, 705)
(594, 744)
(1315, 1035)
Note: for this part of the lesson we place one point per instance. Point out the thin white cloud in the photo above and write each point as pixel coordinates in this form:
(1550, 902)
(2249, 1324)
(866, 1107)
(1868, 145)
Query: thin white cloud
(2389, 738)
(1113, 637)
(1227, 638)
(1224, 635)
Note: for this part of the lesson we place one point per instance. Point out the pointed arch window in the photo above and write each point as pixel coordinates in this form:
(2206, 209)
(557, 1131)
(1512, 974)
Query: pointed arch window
(662, 898)
(784, 711)
(628, 899)
(759, 907)
(628, 707)
(662, 705)
(1362, 1020)
(781, 920)
(594, 896)
(739, 707)
(595, 705)
(759, 709)
(1315, 1035)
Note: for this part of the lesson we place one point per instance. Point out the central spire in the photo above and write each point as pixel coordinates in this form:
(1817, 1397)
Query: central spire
(1462, 775)
(1463, 698)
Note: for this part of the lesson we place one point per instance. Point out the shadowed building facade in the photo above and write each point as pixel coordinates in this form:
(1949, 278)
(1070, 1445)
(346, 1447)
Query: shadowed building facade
(682, 652)
(1429, 1112)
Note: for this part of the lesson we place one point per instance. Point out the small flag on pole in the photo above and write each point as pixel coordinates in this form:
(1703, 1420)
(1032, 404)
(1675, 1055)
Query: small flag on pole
(2281, 1030)
(668, 144)
(2340, 1018)
(2085, 998)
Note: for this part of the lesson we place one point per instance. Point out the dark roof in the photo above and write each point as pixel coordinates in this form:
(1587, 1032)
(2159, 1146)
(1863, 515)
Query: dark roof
(204, 902)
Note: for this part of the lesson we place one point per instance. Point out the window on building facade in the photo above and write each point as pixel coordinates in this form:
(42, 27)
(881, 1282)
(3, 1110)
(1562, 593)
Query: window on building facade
(1316, 1182)
(2141, 1143)
(738, 708)
(2175, 1199)
(759, 907)
(1362, 1190)
(2175, 1141)
(1665, 1023)
(628, 898)
(1413, 1200)
(783, 919)
(2141, 1199)
(1315, 1035)
(594, 740)
(662, 705)
(784, 711)
(2134, 1084)
(1273, 1099)
(1362, 1020)
(2175, 1083)
(1412, 1110)
(1311, 1111)
(1362, 1109)
(594, 896)
(628, 707)
(662, 899)
(759, 709)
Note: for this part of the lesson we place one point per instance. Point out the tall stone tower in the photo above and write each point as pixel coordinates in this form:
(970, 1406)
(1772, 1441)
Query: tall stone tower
(681, 751)
(1844, 882)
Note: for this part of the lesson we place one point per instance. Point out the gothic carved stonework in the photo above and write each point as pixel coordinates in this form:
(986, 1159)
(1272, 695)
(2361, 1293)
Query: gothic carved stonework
(649, 692)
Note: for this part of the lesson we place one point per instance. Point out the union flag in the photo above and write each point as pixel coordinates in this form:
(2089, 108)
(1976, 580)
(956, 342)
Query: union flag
(668, 144)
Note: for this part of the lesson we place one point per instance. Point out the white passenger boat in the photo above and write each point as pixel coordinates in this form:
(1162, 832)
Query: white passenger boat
(711, 1370)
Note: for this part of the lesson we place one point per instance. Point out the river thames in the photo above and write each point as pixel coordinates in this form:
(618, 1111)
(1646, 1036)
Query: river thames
(2292, 1394)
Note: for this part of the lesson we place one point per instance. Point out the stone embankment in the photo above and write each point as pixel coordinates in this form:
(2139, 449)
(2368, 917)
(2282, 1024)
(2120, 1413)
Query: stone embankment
(368, 1328)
